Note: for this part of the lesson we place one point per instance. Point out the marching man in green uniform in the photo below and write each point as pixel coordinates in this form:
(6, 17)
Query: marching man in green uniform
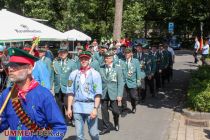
(62, 66)
(99, 55)
(112, 85)
(164, 63)
(133, 77)
(155, 52)
(122, 65)
(149, 67)
(84, 93)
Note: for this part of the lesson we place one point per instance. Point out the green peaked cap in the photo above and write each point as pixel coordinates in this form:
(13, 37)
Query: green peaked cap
(108, 53)
(85, 53)
(145, 46)
(19, 52)
(128, 50)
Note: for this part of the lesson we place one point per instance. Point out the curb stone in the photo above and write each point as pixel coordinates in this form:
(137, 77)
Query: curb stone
(196, 115)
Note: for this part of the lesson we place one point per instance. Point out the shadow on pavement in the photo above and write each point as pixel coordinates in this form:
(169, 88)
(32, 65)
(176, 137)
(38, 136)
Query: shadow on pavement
(173, 94)
(207, 132)
(71, 138)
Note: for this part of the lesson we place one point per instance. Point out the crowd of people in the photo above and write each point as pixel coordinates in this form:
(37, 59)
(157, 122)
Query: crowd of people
(98, 76)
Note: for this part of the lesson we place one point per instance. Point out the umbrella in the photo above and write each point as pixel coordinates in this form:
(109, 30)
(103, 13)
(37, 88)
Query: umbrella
(74, 35)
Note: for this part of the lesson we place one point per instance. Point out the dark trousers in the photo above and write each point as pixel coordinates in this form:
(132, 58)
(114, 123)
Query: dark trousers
(157, 80)
(59, 97)
(3, 80)
(150, 83)
(195, 56)
(170, 72)
(133, 94)
(124, 100)
(105, 113)
(164, 75)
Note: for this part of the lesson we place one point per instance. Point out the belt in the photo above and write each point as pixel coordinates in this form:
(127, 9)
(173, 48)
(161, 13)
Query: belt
(87, 101)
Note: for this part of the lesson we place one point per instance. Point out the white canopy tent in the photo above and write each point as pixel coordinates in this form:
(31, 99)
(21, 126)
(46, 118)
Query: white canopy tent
(14, 27)
(74, 35)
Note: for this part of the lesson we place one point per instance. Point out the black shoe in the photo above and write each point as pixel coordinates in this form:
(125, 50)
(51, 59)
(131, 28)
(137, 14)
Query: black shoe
(142, 100)
(123, 114)
(134, 110)
(104, 131)
(117, 128)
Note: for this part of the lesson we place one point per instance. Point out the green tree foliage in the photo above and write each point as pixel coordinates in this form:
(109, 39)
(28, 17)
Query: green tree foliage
(96, 17)
(133, 19)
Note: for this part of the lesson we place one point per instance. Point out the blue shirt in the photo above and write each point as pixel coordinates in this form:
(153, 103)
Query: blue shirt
(49, 55)
(84, 90)
(41, 74)
(41, 107)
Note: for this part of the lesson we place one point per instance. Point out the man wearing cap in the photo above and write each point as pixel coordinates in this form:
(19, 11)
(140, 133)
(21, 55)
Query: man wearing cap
(139, 55)
(40, 72)
(48, 52)
(31, 107)
(155, 52)
(84, 93)
(112, 85)
(133, 77)
(99, 55)
(122, 65)
(42, 55)
(62, 67)
(115, 57)
(121, 54)
(139, 52)
(76, 57)
(164, 63)
(149, 69)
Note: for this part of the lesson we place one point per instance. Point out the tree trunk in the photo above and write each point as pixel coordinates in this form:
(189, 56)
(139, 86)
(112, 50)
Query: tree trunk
(118, 19)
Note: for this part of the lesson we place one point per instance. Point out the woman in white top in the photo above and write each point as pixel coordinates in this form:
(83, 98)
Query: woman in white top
(205, 52)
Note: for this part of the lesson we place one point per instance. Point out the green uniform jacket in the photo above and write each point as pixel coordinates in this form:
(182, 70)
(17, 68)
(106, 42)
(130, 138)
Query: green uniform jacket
(164, 59)
(157, 57)
(149, 64)
(133, 74)
(112, 83)
(99, 57)
(61, 74)
(122, 65)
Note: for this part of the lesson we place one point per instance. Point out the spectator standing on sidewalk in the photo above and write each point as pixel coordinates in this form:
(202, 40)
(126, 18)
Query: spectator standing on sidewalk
(205, 52)
(196, 49)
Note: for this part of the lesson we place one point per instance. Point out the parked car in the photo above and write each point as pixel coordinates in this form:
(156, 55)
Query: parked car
(175, 43)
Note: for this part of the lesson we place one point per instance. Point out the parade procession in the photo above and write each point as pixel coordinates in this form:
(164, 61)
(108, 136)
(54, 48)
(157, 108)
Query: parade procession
(43, 93)
(49, 95)
(79, 70)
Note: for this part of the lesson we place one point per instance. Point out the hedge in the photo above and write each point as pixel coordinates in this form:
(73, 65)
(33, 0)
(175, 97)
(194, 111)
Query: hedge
(198, 96)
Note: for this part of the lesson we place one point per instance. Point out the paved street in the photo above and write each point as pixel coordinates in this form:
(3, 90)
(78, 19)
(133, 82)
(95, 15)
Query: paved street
(153, 118)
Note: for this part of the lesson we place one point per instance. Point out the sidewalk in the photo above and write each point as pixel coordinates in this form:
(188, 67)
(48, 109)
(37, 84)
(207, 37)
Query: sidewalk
(196, 130)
